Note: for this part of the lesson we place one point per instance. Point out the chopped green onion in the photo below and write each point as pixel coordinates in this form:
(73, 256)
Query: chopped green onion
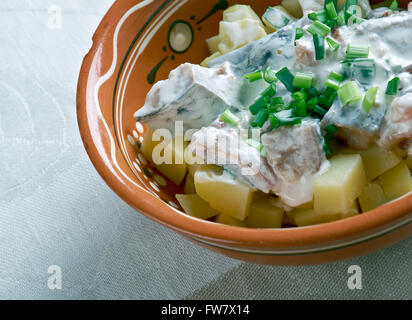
(290, 121)
(363, 70)
(319, 43)
(330, 130)
(394, 5)
(319, 28)
(270, 91)
(255, 144)
(332, 44)
(334, 80)
(327, 148)
(258, 104)
(320, 110)
(312, 92)
(318, 16)
(331, 10)
(260, 118)
(276, 101)
(299, 33)
(350, 3)
(286, 77)
(269, 75)
(299, 95)
(274, 121)
(312, 103)
(229, 118)
(254, 76)
(356, 52)
(392, 88)
(300, 108)
(335, 2)
(302, 80)
(369, 99)
(341, 19)
(350, 93)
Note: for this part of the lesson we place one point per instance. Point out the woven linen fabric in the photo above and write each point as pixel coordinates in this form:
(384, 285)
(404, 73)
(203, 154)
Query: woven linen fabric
(56, 211)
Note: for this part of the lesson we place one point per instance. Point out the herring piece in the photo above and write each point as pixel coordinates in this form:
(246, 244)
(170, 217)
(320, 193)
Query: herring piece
(276, 50)
(296, 156)
(192, 94)
(357, 127)
(397, 126)
(224, 147)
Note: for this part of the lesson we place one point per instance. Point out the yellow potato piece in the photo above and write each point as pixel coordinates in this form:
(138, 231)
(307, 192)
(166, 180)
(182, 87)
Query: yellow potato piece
(228, 220)
(293, 7)
(213, 43)
(196, 206)
(377, 161)
(396, 182)
(156, 151)
(237, 34)
(224, 193)
(240, 12)
(371, 197)
(408, 162)
(263, 214)
(308, 217)
(190, 185)
(336, 190)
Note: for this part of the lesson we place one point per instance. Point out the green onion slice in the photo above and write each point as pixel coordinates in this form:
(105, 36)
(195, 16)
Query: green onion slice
(334, 80)
(299, 33)
(270, 91)
(319, 43)
(260, 118)
(331, 10)
(258, 104)
(319, 28)
(269, 75)
(255, 144)
(369, 99)
(254, 76)
(286, 77)
(350, 93)
(394, 5)
(332, 44)
(356, 52)
(303, 80)
(393, 86)
(229, 118)
(341, 19)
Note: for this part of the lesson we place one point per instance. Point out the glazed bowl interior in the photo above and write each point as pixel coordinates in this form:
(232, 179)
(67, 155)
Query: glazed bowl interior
(130, 52)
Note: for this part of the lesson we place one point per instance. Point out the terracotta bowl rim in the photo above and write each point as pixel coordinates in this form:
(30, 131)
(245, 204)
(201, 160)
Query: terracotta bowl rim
(155, 209)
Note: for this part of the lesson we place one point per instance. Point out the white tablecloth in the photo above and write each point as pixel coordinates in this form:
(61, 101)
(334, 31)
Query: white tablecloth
(56, 210)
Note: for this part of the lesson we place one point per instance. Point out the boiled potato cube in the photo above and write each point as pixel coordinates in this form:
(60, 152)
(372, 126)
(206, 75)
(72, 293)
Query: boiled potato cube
(309, 217)
(240, 12)
(190, 185)
(396, 182)
(167, 156)
(236, 34)
(293, 7)
(196, 206)
(263, 214)
(205, 63)
(377, 161)
(148, 145)
(224, 193)
(228, 220)
(213, 44)
(336, 190)
(408, 162)
(371, 197)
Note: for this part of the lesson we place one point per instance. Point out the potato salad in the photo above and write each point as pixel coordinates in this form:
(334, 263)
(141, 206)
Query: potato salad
(299, 117)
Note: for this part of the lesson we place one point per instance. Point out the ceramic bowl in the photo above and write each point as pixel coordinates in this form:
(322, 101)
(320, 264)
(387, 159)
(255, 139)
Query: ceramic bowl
(130, 52)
